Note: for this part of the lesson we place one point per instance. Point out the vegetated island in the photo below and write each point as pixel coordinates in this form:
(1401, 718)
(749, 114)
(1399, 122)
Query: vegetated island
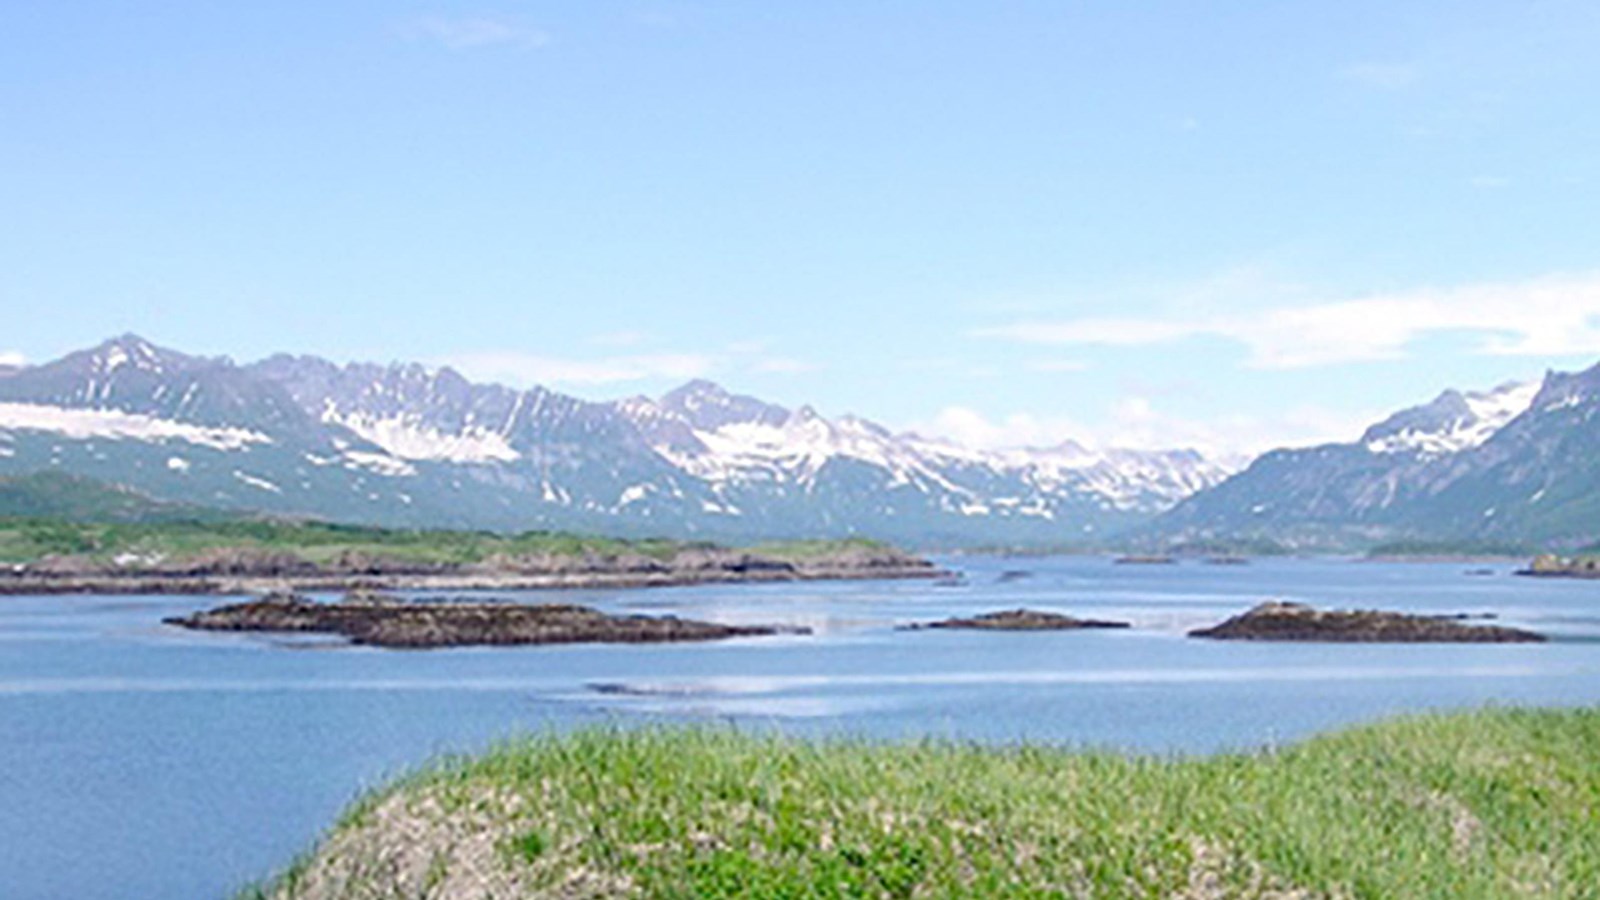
(1418, 550)
(383, 621)
(1016, 620)
(1496, 803)
(1277, 621)
(1145, 559)
(50, 556)
(1550, 565)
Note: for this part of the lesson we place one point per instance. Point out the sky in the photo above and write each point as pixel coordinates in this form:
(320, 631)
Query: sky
(1230, 226)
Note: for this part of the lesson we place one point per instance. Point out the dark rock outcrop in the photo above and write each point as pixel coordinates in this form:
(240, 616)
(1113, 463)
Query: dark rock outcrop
(1019, 620)
(1277, 621)
(385, 621)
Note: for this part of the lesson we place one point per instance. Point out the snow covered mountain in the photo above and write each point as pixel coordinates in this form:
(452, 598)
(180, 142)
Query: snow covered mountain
(413, 445)
(1452, 422)
(1520, 462)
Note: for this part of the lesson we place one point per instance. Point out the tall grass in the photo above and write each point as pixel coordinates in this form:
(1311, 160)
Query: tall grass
(1499, 803)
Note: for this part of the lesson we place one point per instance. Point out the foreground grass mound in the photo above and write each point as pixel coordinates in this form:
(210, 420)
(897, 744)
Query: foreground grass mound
(1485, 804)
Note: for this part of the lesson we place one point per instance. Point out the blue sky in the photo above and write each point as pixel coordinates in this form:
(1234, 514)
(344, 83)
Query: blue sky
(1228, 225)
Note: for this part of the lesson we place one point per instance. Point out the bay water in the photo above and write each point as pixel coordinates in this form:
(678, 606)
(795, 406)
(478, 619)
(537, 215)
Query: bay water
(141, 760)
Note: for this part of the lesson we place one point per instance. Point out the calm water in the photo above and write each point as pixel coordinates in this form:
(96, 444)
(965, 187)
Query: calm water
(142, 761)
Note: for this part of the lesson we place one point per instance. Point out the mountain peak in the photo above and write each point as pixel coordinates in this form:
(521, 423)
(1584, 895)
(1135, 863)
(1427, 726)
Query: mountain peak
(698, 390)
(1452, 421)
(707, 406)
(132, 351)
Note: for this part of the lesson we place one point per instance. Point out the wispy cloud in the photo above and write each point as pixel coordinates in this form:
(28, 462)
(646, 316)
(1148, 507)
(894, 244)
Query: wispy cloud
(1138, 422)
(1382, 75)
(972, 428)
(749, 347)
(470, 32)
(756, 355)
(530, 369)
(12, 358)
(1554, 316)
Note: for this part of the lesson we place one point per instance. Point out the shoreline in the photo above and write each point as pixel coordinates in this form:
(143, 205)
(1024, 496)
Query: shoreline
(229, 585)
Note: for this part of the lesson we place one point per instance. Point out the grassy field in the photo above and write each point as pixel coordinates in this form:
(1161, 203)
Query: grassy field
(29, 539)
(1480, 805)
(50, 513)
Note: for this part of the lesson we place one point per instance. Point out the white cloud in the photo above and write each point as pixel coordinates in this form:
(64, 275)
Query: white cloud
(1385, 75)
(749, 347)
(1554, 316)
(12, 358)
(466, 33)
(755, 355)
(530, 369)
(1136, 422)
(971, 428)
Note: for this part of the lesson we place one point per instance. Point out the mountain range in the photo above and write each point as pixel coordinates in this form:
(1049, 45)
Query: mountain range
(1519, 463)
(412, 445)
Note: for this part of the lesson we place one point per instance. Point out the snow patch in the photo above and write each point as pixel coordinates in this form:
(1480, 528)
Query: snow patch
(82, 424)
(378, 463)
(177, 464)
(1487, 413)
(255, 482)
(407, 437)
(795, 452)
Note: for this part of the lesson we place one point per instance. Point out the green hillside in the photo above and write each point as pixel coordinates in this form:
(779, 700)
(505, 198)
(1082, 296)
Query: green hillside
(1491, 804)
(54, 514)
(57, 495)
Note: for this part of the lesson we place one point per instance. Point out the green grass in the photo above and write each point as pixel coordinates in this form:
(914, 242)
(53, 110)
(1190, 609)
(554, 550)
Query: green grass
(802, 550)
(1454, 548)
(58, 495)
(1498, 803)
(50, 513)
(25, 540)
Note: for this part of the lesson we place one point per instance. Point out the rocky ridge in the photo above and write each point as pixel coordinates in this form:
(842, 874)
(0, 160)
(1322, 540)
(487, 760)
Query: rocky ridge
(1279, 621)
(1018, 620)
(384, 621)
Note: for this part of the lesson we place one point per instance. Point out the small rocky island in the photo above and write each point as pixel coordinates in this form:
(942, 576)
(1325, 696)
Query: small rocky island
(383, 621)
(1017, 620)
(1278, 621)
(1551, 566)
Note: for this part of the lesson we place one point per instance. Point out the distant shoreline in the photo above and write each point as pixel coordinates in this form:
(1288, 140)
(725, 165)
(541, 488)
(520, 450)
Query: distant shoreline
(230, 585)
